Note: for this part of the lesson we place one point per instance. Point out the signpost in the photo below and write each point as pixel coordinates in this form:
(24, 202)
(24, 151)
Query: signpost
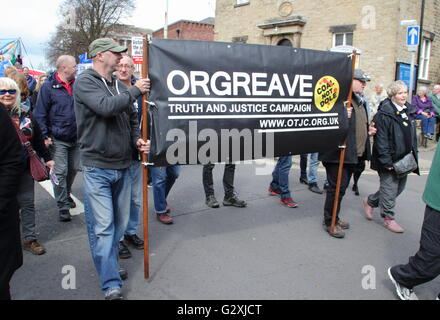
(412, 41)
(412, 35)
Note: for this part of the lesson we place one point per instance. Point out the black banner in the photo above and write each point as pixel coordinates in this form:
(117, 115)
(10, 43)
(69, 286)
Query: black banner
(219, 102)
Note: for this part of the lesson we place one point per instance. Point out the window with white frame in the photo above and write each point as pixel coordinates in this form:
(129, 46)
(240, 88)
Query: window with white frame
(343, 39)
(240, 2)
(425, 54)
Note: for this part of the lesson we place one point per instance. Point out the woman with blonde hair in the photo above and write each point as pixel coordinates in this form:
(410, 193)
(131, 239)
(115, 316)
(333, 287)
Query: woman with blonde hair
(9, 70)
(395, 138)
(10, 98)
(11, 166)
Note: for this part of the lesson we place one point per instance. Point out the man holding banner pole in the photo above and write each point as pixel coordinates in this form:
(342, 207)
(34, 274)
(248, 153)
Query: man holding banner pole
(357, 143)
(108, 132)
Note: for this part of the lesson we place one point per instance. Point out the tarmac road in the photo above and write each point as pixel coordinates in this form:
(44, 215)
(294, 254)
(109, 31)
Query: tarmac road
(262, 252)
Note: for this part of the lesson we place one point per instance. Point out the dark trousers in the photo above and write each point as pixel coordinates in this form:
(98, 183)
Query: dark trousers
(228, 180)
(4, 292)
(438, 126)
(332, 176)
(424, 266)
(303, 165)
(359, 168)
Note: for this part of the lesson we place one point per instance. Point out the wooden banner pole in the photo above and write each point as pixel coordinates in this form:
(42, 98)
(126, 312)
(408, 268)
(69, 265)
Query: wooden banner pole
(343, 148)
(145, 161)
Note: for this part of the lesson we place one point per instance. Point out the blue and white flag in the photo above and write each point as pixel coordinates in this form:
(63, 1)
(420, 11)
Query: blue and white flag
(3, 66)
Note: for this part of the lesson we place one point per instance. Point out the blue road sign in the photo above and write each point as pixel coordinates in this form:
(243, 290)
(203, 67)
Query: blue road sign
(413, 35)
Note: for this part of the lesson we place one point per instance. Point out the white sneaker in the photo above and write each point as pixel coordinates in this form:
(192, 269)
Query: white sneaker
(403, 292)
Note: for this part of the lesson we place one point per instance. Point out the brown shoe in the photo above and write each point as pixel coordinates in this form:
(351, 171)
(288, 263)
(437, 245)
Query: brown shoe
(164, 218)
(343, 224)
(34, 247)
(368, 209)
(337, 232)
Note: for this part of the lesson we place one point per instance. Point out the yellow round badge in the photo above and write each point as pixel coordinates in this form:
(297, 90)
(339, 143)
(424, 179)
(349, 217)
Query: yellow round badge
(326, 93)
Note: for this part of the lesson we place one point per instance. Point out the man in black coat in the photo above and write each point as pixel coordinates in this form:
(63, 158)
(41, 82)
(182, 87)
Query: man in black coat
(357, 147)
(11, 167)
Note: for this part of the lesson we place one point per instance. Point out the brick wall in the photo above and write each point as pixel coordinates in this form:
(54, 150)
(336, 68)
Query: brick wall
(187, 30)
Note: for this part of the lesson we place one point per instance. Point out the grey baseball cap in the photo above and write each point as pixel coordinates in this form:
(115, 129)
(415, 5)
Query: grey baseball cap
(360, 75)
(105, 44)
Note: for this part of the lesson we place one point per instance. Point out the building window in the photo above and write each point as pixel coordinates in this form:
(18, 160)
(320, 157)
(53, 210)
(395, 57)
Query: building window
(239, 3)
(242, 39)
(343, 39)
(425, 53)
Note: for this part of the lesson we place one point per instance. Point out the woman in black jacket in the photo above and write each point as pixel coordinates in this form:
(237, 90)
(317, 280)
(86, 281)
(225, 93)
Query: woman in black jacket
(31, 131)
(395, 138)
(11, 166)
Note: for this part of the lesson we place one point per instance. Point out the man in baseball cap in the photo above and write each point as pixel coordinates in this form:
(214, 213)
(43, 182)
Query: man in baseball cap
(356, 152)
(361, 75)
(108, 135)
(105, 44)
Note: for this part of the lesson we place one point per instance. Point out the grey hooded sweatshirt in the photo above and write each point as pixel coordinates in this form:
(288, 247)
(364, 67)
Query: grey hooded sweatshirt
(107, 122)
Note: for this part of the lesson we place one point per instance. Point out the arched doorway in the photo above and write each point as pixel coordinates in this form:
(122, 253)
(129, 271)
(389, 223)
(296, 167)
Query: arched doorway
(285, 42)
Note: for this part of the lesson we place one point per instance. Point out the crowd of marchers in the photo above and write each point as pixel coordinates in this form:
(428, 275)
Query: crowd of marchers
(92, 123)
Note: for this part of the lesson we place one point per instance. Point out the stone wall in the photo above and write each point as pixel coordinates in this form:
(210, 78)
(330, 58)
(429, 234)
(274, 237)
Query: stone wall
(375, 23)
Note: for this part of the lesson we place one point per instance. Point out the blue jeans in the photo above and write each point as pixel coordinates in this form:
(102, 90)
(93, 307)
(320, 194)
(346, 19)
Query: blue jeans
(313, 168)
(163, 179)
(427, 124)
(135, 174)
(106, 206)
(280, 176)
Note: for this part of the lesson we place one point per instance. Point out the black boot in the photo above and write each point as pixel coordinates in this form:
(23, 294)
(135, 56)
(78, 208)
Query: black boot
(355, 189)
(304, 180)
(314, 188)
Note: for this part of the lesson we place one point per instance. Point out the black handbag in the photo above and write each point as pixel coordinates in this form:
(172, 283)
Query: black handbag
(405, 165)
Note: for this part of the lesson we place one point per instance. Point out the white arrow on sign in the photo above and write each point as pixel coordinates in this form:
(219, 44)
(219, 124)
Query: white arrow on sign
(413, 35)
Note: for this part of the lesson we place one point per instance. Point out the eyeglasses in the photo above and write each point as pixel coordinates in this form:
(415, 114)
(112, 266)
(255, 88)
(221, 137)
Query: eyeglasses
(126, 66)
(10, 91)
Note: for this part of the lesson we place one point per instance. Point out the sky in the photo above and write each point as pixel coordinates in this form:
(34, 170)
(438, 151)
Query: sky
(34, 21)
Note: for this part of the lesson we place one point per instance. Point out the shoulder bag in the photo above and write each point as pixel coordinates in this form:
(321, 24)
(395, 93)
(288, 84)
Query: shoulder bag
(39, 171)
(405, 165)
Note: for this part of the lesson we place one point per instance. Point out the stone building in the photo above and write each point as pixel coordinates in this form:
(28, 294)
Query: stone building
(189, 30)
(124, 33)
(373, 27)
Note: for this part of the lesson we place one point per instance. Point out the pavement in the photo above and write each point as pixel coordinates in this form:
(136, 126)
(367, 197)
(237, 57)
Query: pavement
(263, 252)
